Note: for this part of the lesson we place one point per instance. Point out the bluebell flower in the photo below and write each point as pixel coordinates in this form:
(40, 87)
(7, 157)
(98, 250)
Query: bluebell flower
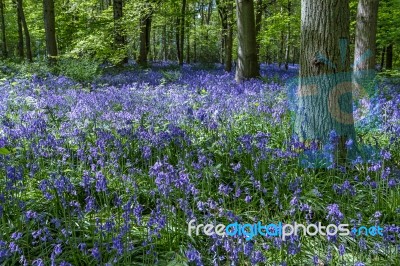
(101, 182)
(334, 214)
(193, 256)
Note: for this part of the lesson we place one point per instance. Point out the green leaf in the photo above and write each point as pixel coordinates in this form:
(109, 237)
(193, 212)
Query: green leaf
(4, 151)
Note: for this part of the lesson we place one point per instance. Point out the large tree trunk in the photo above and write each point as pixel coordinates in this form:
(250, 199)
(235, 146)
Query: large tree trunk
(26, 31)
(389, 57)
(247, 65)
(145, 30)
(3, 29)
(365, 43)
(119, 37)
(324, 94)
(50, 29)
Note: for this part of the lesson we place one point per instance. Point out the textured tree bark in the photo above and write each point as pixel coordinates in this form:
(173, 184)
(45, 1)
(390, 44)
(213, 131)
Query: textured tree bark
(145, 30)
(324, 94)
(365, 43)
(50, 30)
(3, 29)
(26, 31)
(389, 57)
(247, 65)
(119, 38)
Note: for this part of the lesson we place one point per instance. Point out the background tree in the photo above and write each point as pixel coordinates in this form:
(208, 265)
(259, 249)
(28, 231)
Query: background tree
(225, 10)
(84, 28)
(21, 16)
(3, 29)
(365, 40)
(20, 32)
(50, 29)
(145, 30)
(180, 32)
(388, 33)
(119, 35)
(287, 52)
(247, 62)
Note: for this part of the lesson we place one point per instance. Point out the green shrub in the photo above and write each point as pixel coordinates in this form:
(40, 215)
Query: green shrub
(82, 69)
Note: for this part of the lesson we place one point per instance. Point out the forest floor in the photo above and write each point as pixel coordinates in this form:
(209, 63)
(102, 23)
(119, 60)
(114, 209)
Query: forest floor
(112, 172)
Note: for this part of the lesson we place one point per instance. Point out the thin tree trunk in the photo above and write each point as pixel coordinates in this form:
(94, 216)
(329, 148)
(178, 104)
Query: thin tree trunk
(247, 65)
(26, 31)
(195, 39)
(177, 39)
(182, 32)
(50, 30)
(383, 57)
(202, 16)
(209, 12)
(223, 14)
(288, 37)
(281, 53)
(3, 29)
(324, 94)
(222, 11)
(188, 42)
(259, 12)
(389, 57)
(154, 44)
(164, 40)
(229, 38)
(20, 32)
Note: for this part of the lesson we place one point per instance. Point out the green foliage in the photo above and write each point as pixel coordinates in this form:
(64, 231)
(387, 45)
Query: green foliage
(170, 76)
(9, 68)
(4, 151)
(82, 69)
